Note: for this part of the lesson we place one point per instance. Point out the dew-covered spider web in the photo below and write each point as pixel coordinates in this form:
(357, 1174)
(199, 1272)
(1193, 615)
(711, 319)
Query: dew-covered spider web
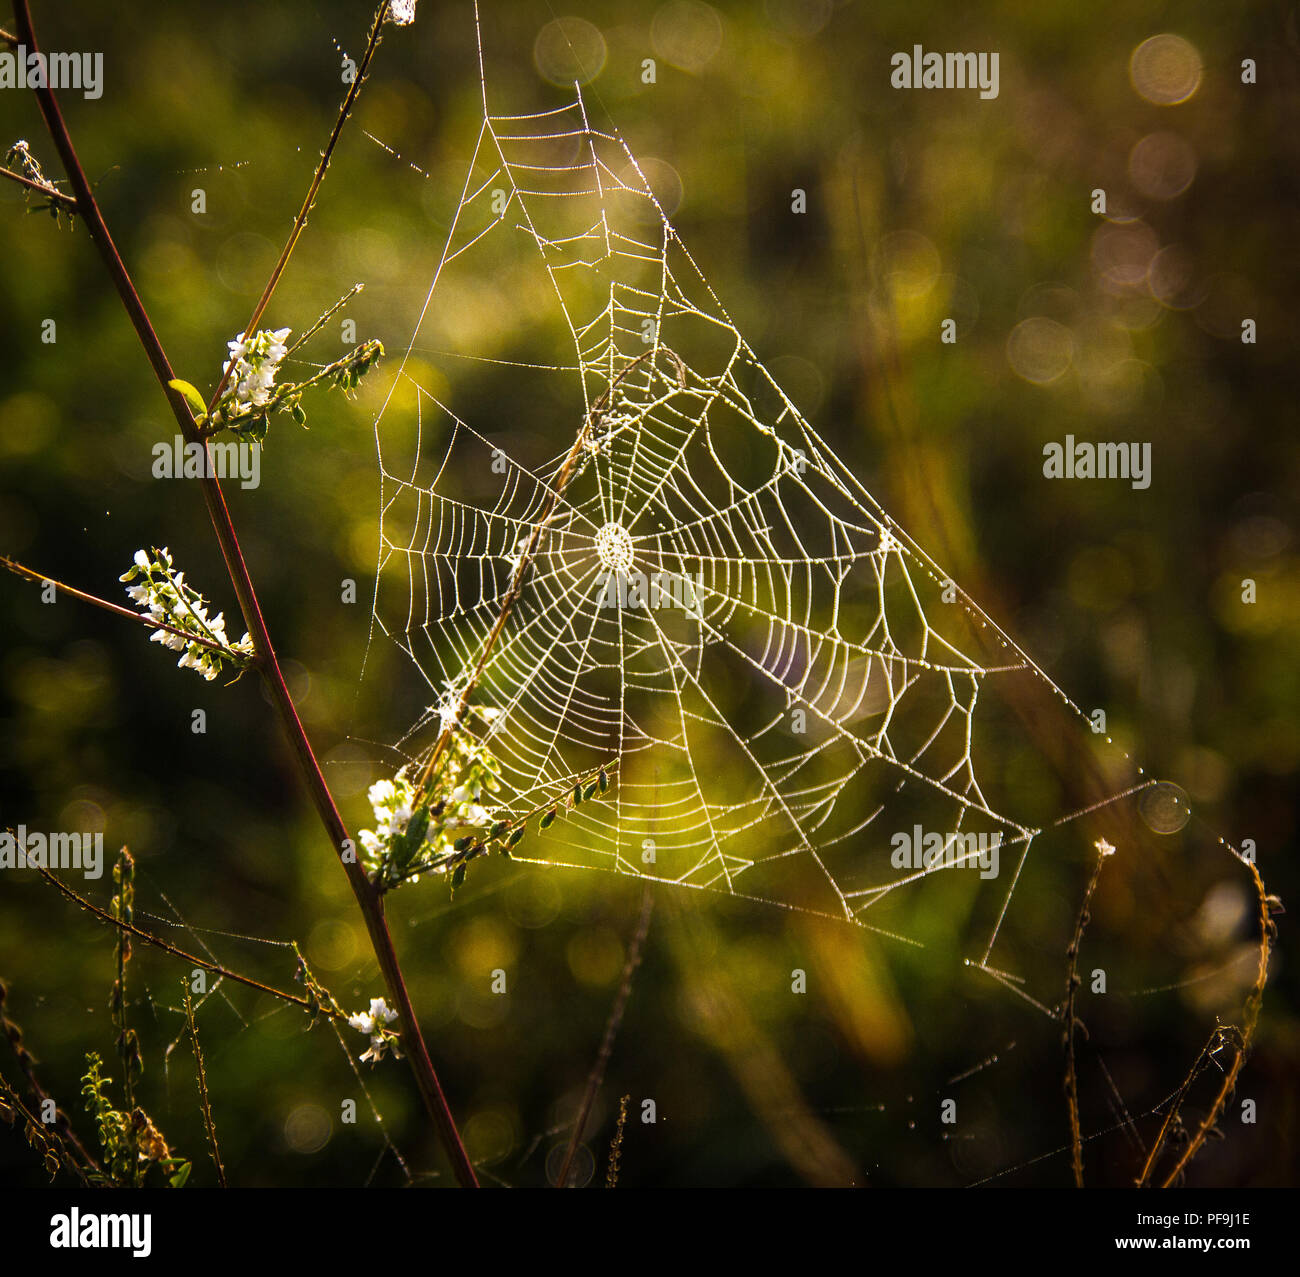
(710, 604)
(610, 542)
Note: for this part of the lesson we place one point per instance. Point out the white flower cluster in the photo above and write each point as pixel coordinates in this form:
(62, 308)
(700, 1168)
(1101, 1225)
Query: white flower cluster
(164, 597)
(466, 777)
(391, 801)
(21, 153)
(374, 1024)
(256, 364)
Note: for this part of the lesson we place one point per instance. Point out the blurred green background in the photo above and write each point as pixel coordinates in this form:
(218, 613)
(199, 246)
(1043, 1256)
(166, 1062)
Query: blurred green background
(921, 206)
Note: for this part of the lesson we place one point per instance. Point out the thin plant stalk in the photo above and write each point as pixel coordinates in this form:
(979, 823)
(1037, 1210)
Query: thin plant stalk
(201, 1076)
(14, 1036)
(158, 942)
(368, 899)
(300, 222)
(597, 1075)
(65, 201)
(1222, 1036)
(30, 574)
(1072, 1023)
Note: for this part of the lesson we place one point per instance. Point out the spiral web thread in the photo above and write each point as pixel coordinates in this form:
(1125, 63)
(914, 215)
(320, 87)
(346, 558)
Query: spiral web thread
(862, 670)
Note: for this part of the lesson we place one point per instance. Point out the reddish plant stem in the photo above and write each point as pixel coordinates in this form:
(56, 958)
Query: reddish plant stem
(368, 899)
(141, 618)
(61, 198)
(129, 928)
(300, 222)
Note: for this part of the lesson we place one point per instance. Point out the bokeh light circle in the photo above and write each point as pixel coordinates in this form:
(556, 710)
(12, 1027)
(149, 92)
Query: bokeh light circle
(569, 51)
(1165, 808)
(687, 34)
(581, 1169)
(1040, 350)
(307, 1129)
(665, 185)
(1166, 69)
(1162, 165)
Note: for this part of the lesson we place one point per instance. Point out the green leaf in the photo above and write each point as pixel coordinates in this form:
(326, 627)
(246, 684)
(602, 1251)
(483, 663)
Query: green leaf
(178, 1180)
(458, 875)
(408, 843)
(549, 818)
(192, 397)
(590, 791)
(515, 838)
(462, 844)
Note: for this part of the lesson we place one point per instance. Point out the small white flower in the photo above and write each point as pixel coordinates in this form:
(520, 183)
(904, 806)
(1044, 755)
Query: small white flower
(374, 1024)
(380, 1012)
(165, 599)
(252, 369)
(381, 793)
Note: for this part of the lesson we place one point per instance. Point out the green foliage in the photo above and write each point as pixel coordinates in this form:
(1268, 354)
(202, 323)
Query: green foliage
(192, 397)
(948, 444)
(252, 397)
(130, 1143)
(164, 596)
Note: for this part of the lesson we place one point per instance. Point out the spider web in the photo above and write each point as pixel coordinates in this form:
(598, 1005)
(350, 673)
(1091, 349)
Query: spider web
(813, 687)
(796, 594)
